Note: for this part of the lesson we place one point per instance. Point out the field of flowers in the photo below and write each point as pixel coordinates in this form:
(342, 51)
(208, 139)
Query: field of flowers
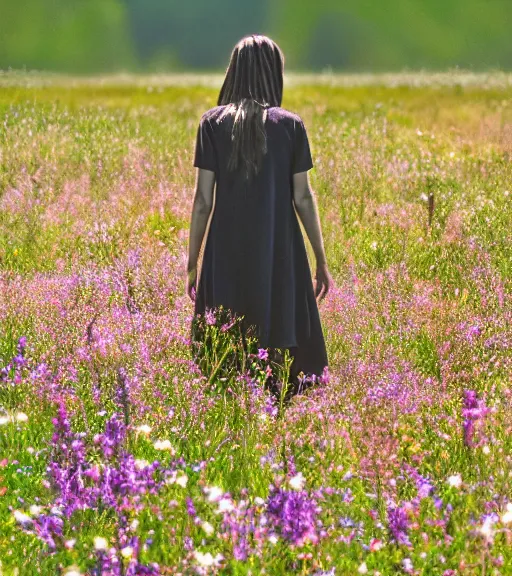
(119, 457)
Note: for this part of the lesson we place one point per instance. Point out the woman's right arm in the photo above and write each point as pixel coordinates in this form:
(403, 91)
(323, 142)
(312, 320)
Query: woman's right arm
(305, 204)
(202, 207)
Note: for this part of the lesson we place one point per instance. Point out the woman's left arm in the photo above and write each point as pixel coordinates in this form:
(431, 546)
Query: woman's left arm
(202, 207)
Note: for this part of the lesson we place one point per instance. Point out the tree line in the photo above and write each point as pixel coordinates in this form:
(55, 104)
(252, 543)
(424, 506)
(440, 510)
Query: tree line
(87, 36)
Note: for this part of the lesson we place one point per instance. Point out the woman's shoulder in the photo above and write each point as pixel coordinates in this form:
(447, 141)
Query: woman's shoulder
(215, 113)
(278, 114)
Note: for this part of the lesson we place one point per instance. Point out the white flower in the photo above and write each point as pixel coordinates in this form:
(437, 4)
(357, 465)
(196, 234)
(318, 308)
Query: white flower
(100, 543)
(141, 464)
(21, 417)
(182, 480)
(72, 571)
(35, 510)
(486, 449)
(207, 527)
(127, 552)
(214, 493)
(272, 539)
(259, 501)
(407, 565)
(374, 245)
(143, 429)
(507, 516)
(4, 420)
(21, 517)
(487, 529)
(363, 569)
(164, 445)
(455, 480)
(134, 525)
(207, 559)
(70, 543)
(297, 482)
(225, 505)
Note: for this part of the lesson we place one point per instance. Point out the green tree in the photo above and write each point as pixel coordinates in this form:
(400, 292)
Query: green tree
(69, 35)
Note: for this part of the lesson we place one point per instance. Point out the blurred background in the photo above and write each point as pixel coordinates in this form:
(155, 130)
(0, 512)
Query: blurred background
(97, 36)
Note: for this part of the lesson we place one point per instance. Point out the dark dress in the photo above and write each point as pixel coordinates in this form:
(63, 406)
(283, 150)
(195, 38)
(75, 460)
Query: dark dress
(255, 261)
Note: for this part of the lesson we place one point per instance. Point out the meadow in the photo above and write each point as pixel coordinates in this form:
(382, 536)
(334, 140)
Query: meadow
(119, 456)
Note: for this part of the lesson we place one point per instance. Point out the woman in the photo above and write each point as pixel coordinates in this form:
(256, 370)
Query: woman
(256, 155)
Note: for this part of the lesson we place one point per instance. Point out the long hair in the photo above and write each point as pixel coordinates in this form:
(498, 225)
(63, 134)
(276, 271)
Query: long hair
(253, 82)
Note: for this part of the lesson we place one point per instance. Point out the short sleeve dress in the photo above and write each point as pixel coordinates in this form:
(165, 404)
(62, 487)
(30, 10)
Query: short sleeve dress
(255, 261)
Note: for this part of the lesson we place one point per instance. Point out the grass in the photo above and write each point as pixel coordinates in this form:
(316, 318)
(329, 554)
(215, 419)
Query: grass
(109, 428)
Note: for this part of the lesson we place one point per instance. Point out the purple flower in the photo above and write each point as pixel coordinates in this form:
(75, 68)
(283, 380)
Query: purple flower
(398, 525)
(111, 440)
(47, 528)
(210, 317)
(262, 354)
(474, 331)
(474, 410)
(22, 343)
(294, 515)
(191, 511)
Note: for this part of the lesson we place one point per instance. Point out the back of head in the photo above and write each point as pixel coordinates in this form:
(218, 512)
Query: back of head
(253, 82)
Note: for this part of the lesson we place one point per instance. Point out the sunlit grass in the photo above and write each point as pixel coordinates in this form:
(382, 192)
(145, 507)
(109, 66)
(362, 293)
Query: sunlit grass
(378, 471)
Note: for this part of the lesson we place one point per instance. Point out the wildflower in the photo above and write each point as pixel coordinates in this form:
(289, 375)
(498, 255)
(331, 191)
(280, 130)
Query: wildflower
(455, 480)
(182, 480)
(100, 543)
(207, 559)
(297, 482)
(487, 527)
(69, 544)
(225, 505)
(164, 445)
(127, 552)
(35, 510)
(506, 518)
(474, 410)
(21, 517)
(140, 464)
(375, 544)
(262, 354)
(214, 493)
(4, 420)
(21, 417)
(134, 524)
(407, 565)
(72, 571)
(294, 515)
(143, 429)
(363, 569)
(210, 317)
(208, 528)
(398, 525)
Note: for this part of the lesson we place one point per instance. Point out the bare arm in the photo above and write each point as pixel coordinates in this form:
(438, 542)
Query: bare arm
(201, 209)
(305, 204)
